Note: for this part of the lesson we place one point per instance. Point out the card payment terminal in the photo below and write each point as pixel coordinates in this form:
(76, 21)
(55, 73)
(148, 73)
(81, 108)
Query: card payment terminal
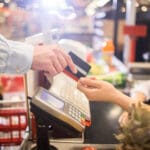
(61, 109)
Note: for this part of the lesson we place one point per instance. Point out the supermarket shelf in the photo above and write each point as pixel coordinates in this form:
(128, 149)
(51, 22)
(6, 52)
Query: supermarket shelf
(16, 141)
(12, 111)
(12, 127)
(11, 102)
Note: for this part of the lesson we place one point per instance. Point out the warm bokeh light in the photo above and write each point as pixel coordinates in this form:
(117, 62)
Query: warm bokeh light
(144, 8)
(7, 1)
(53, 3)
(1, 5)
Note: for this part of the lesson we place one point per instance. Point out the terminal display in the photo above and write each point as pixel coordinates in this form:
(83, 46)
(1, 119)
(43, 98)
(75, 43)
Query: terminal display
(52, 100)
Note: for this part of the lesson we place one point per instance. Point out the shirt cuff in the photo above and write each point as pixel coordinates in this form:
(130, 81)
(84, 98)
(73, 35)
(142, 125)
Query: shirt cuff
(20, 58)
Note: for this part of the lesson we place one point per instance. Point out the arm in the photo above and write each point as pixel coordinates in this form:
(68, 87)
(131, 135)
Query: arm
(103, 91)
(17, 57)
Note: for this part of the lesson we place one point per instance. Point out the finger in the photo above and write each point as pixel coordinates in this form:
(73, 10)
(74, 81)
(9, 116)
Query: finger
(57, 65)
(62, 60)
(85, 89)
(52, 71)
(82, 88)
(92, 78)
(90, 82)
(90, 93)
(71, 65)
(69, 62)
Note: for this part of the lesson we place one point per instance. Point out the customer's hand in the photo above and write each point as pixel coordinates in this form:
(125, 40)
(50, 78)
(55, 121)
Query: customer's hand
(97, 90)
(51, 59)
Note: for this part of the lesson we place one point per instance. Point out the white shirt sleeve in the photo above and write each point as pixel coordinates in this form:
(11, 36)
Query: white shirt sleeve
(143, 87)
(15, 57)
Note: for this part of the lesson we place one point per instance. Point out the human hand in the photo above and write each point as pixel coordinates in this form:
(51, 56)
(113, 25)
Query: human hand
(97, 90)
(51, 59)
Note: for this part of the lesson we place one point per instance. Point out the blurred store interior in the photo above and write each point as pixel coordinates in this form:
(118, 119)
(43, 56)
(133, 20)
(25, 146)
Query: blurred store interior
(89, 28)
(96, 20)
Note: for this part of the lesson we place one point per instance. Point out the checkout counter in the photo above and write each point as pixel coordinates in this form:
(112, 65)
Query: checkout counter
(104, 118)
(100, 135)
(52, 130)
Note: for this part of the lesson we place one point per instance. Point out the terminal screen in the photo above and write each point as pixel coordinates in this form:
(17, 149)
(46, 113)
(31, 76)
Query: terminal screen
(47, 97)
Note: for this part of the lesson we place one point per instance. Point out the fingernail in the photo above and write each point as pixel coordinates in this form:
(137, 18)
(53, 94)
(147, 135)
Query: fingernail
(81, 79)
(93, 78)
(75, 70)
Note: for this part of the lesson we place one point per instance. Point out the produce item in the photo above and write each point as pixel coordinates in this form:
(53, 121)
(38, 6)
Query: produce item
(97, 69)
(135, 132)
(118, 79)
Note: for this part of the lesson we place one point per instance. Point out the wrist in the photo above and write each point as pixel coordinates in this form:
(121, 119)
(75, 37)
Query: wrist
(114, 96)
(122, 100)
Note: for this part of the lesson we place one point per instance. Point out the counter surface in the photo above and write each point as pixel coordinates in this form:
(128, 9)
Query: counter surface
(75, 146)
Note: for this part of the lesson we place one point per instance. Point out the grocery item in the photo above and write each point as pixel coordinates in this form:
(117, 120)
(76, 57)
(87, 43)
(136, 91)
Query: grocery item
(135, 132)
(118, 79)
(108, 52)
(97, 69)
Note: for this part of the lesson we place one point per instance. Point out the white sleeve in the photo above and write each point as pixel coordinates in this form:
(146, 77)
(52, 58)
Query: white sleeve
(143, 87)
(15, 57)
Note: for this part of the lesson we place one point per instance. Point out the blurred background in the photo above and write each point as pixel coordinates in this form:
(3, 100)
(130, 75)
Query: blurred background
(109, 34)
(88, 21)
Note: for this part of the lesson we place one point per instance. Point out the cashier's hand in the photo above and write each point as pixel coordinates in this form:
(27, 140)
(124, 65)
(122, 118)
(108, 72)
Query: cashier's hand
(51, 59)
(97, 90)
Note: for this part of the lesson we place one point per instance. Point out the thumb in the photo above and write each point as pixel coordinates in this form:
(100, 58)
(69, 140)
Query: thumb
(82, 88)
(89, 92)
(87, 82)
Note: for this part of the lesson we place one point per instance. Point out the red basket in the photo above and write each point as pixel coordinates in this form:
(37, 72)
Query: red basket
(12, 132)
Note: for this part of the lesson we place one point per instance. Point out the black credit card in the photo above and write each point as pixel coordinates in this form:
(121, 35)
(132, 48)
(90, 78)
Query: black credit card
(82, 67)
